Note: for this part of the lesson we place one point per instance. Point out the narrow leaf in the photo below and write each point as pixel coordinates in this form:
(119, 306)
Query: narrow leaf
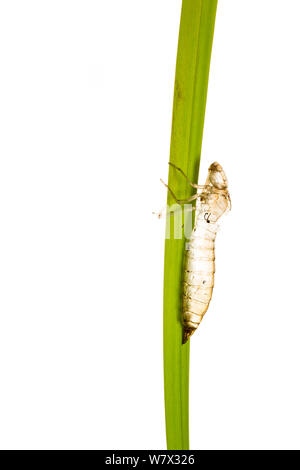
(191, 81)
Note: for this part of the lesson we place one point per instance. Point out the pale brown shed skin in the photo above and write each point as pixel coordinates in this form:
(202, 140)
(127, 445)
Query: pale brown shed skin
(199, 263)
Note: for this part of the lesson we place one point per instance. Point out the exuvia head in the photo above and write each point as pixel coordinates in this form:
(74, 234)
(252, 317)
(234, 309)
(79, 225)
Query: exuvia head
(215, 198)
(216, 176)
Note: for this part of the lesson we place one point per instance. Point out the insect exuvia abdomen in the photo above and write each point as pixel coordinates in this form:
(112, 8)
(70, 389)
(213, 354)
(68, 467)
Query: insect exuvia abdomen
(198, 278)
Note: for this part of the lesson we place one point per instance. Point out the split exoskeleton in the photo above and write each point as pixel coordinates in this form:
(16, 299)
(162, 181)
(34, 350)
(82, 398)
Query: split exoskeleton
(212, 201)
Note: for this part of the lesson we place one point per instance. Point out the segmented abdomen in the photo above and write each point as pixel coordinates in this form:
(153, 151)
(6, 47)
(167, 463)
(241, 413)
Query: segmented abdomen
(198, 278)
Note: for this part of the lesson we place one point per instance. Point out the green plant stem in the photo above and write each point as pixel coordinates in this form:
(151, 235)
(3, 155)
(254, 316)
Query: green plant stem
(191, 81)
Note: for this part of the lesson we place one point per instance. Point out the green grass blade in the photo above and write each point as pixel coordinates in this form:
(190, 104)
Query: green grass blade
(191, 80)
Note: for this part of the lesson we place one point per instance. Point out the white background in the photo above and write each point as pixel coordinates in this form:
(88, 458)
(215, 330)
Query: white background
(86, 92)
